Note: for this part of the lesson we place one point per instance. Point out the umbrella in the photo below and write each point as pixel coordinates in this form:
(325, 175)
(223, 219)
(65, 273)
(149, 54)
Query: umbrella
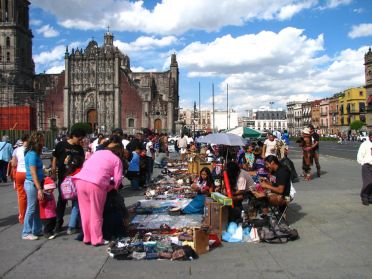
(245, 132)
(221, 138)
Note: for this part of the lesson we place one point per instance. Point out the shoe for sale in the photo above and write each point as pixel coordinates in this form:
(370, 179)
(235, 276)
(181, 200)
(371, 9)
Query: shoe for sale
(30, 237)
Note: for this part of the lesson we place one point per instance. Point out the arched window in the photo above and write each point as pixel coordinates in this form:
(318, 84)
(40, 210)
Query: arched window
(7, 42)
(8, 57)
(130, 123)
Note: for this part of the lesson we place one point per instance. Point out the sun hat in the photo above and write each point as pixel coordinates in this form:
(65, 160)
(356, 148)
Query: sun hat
(306, 131)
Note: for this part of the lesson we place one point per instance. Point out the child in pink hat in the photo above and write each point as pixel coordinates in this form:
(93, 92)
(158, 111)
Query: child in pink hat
(48, 208)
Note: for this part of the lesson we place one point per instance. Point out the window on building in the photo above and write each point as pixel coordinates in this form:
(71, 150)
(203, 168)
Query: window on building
(362, 118)
(360, 93)
(131, 123)
(362, 107)
(8, 57)
(7, 42)
(1, 54)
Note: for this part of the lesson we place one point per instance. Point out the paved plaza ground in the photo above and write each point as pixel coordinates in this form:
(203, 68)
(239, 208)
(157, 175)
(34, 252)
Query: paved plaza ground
(335, 230)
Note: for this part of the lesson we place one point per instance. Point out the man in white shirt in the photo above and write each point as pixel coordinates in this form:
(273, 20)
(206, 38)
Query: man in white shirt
(364, 158)
(182, 145)
(269, 147)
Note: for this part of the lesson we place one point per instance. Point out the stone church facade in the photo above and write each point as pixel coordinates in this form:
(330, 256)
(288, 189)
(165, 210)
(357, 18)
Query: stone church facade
(100, 88)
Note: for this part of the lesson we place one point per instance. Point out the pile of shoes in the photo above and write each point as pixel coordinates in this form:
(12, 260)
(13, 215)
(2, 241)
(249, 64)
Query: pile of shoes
(151, 246)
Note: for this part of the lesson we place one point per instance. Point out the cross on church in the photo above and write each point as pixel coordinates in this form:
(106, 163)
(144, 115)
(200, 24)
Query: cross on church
(108, 28)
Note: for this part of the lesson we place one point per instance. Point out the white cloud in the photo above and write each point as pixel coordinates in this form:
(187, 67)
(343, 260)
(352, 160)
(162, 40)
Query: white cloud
(47, 31)
(361, 30)
(358, 10)
(56, 69)
(48, 56)
(268, 66)
(144, 43)
(35, 22)
(52, 60)
(142, 69)
(282, 52)
(172, 16)
(336, 3)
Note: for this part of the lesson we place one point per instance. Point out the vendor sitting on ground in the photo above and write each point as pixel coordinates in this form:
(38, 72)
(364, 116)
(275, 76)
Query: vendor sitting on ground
(204, 186)
(279, 183)
(240, 183)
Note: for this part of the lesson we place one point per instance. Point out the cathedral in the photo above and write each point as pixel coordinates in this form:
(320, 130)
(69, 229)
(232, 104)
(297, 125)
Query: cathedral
(97, 85)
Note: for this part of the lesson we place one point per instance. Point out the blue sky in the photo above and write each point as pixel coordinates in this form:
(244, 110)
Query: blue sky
(266, 50)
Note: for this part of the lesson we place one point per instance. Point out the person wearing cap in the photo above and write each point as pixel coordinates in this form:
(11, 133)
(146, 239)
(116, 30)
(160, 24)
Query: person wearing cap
(364, 158)
(18, 162)
(315, 148)
(47, 208)
(306, 144)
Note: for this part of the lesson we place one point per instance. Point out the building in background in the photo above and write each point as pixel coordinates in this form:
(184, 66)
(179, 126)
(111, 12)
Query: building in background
(352, 106)
(189, 117)
(17, 95)
(306, 113)
(294, 117)
(368, 85)
(324, 116)
(97, 85)
(333, 115)
(315, 114)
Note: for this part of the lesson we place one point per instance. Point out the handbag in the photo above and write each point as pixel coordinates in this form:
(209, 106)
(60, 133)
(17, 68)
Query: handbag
(68, 189)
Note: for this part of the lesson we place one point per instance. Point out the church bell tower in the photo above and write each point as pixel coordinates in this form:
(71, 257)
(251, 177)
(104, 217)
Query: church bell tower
(16, 64)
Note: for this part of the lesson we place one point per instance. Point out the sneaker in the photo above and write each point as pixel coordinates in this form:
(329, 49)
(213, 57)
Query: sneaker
(71, 231)
(30, 237)
(53, 236)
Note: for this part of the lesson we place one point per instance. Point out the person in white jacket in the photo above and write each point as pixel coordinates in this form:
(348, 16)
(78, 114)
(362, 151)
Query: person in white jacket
(364, 158)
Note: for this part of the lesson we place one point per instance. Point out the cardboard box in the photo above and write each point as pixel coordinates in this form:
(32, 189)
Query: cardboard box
(201, 241)
(216, 217)
(222, 199)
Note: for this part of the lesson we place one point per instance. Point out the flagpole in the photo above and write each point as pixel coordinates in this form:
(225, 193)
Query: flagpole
(213, 106)
(200, 122)
(227, 104)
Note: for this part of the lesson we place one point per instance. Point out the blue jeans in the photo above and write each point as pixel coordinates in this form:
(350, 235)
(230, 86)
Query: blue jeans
(32, 222)
(75, 214)
(134, 183)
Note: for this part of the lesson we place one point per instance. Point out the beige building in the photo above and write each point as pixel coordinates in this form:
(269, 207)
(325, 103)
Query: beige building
(368, 75)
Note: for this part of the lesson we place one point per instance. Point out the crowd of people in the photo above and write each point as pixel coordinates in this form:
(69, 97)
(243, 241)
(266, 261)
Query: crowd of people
(92, 167)
(260, 171)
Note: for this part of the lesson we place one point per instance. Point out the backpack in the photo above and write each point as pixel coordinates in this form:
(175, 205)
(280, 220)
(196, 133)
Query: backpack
(277, 233)
(68, 189)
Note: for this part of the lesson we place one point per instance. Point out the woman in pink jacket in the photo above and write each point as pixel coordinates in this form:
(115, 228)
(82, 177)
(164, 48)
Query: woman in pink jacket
(99, 175)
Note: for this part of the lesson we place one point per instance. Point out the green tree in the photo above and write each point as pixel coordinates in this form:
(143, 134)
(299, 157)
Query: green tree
(356, 125)
(84, 126)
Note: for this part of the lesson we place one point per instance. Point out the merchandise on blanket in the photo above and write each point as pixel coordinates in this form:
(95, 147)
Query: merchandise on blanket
(160, 206)
(154, 221)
